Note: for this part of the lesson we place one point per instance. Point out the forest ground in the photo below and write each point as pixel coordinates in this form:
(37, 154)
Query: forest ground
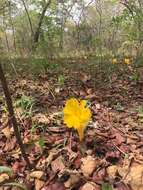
(111, 154)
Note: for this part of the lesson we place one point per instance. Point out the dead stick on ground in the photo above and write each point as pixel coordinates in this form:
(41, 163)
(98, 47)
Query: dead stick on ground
(12, 116)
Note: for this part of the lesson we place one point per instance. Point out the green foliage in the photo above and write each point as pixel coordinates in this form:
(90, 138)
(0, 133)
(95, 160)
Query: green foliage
(106, 186)
(135, 77)
(140, 109)
(37, 126)
(61, 80)
(119, 107)
(41, 143)
(5, 169)
(140, 113)
(26, 104)
(43, 65)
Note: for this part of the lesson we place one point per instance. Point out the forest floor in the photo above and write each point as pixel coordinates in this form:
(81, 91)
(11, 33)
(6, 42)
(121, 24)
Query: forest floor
(111, 154)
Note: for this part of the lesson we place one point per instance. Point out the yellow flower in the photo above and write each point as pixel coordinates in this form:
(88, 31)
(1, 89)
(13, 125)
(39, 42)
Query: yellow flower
(114, 61)
(127, 61)
(77, 115)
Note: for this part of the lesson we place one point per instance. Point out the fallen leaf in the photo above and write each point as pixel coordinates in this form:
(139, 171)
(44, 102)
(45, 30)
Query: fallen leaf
(73, 180)
(10, 144)
(3, 177)
(135, 176)
(57, 90)
(58, 165)
(112, 171)
(19, 111)
(121, 186)
(98, 176)
(48, 160)
(7, 132)
(90, 186)
(16, 153)
(55, 186)
(37, 174)
(98, 106)
(38, 184)
(84, 77)
(112, 156)
(88, 165)
(16, 185)
(17, 166)
(41, 118)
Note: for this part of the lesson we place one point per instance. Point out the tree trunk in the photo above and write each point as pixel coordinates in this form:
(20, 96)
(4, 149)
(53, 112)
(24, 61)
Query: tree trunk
(37, 32)
(29, 19)
(13, 29)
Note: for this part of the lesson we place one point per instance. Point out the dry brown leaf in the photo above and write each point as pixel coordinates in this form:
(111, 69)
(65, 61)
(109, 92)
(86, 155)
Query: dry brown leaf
(16, 153)
(112, 171)
(48, 160)
(18, 111)
(23, 83)
(7, 132)
(88, 165)
(90, 186)
(4, 119)
(37, 174)
(41, 118)
(58, 165)
(73, 180)
(55, 186)
(84, 77)
(123, 171)
(89, 91)
(57, 90)
(10, 144)
(134, 187)
(91, 96)
(121, 186)
(3, 177)
(98, 106)
(38, 184)
(132, 174)
(135, 176)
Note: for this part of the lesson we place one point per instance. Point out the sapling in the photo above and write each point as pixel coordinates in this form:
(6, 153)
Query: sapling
(12, 116)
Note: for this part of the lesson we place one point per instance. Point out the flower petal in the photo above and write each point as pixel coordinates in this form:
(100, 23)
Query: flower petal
(83, 103)
(81, 132)
(77, 115)
(71, 106)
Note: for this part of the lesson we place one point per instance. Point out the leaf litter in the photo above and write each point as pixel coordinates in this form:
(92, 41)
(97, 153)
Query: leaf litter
(112, 156)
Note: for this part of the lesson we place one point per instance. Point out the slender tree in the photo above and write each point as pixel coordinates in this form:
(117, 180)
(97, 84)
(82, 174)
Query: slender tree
(28, 16)
(12, 116)
(38, 29)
